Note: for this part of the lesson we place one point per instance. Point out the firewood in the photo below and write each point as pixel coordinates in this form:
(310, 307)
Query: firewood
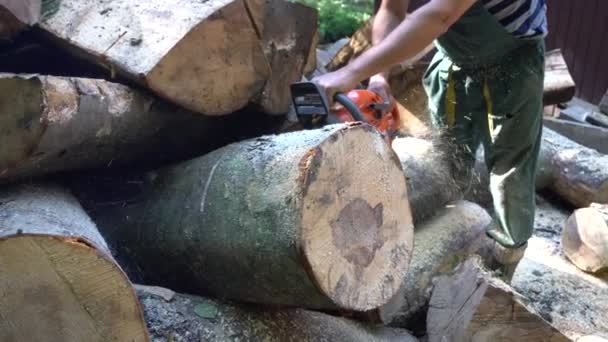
(316, 219)
(470, 305)
(59, 281)
(180, 318)
(585, 238)
(455, 233)
(204, 56)
(52, 124)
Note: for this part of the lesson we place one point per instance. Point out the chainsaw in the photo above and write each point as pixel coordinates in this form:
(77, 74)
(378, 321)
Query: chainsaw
(313, 109)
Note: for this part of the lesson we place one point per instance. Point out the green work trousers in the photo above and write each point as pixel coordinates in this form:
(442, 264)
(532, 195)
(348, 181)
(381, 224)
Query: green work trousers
(485, 87)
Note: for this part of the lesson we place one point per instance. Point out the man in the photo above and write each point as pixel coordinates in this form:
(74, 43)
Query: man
(484, 86)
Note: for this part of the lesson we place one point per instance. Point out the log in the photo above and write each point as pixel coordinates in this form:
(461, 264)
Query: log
(576, 173)
(16, 16)
(294, 219)
(203, 56)
(430, 181)
(178, 317)
(288, 36)
(559, 87)
(455, 233)
(59, 281)
(56, 124)
(585, 238)
(587, 135)
(470, 305)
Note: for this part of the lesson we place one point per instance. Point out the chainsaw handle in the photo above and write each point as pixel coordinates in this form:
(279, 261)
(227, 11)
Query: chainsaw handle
(350, 106)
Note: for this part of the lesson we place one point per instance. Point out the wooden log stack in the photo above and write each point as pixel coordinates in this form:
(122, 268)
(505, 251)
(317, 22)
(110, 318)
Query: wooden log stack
(310, 235)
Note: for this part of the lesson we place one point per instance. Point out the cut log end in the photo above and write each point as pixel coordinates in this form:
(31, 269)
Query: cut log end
(368, 240)
(585, 238)
(59, 281)
(226, 66)
(62, 289)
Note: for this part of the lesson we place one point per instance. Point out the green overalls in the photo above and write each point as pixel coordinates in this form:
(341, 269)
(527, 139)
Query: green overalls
(486, 86)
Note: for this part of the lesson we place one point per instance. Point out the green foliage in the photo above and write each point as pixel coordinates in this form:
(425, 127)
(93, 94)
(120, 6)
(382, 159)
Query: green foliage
(340, 18)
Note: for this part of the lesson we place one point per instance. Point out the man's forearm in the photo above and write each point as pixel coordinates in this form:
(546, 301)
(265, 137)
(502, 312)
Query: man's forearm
(410, 37)
(385, 21)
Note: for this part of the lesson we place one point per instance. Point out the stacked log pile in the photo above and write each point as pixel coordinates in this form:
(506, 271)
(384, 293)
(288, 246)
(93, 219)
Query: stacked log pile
(168, 166)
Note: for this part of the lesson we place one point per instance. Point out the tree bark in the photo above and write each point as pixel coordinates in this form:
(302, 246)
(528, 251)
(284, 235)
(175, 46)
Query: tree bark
(455, 233)
(431, 184)
(559, 86)
(52, 124)
(470, 305)
(585, 238)
(180, 318)
(288, 36)
(204, 56)
(585, 134)
(576, 173)
(59, 281)
(316, 219)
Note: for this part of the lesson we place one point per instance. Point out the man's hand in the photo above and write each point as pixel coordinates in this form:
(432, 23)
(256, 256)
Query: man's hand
(380, 86)
(339, 81)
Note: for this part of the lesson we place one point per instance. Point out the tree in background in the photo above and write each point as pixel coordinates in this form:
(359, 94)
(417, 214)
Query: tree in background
(340, 18)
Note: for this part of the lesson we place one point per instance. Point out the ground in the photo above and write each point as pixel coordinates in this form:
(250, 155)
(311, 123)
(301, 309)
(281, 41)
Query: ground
(573, 301)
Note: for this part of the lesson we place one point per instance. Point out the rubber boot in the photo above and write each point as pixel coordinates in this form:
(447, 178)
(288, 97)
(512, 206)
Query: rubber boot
(505, 260)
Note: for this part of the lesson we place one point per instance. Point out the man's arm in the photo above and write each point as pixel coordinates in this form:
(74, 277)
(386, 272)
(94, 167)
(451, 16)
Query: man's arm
(390, 14)
(409, 38)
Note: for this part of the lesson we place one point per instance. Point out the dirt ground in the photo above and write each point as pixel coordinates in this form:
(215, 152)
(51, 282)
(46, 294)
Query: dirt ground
(573, 301)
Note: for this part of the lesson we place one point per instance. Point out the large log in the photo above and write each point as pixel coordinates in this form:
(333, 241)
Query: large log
(585, 238)
(202, 55)
(454, 234)
(430, 180)
(59, 281)
(470, 305)
(180, 318)
(559, 87)
(16, 16)
(51, 124)
(288, 37)
(316, 219)
(585, 134)
(577, 173)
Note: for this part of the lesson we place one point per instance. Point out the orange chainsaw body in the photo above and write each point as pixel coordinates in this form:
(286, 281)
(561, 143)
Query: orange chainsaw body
(379, 114)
